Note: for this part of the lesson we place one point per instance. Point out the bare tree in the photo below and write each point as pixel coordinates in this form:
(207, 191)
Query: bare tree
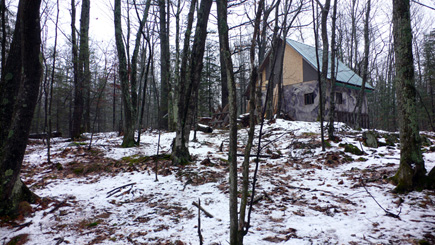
(273, 76)
(243, 224)
(164, 65)
(50, 93)
(361, 97)
(180, 150)
(78, 87)
(262, 45)
(322, 75)
(20, 85)
(232, 101)
(4, 38)
(189, 81)
(84, 73)
(128, 140)
(128, 80)
(333, 74)
(134, 61)
(412, 173)
(174, 88)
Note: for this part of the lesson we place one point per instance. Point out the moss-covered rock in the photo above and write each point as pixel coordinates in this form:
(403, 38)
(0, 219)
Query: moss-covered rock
(423, 242)
(391, 139)
(58, 166)
(78, 170)
(352, 149)
(370, 139)
(20, 239)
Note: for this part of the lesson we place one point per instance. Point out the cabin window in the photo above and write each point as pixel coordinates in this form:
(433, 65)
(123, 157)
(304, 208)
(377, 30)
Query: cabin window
(309, 98)
(339, 98)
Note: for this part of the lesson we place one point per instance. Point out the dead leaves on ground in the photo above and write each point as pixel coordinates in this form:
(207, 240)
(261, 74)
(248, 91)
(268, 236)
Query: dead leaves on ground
(282, 236)
(299, 155)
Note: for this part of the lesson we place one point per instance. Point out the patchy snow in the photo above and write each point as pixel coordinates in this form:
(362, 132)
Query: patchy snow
(109, 194)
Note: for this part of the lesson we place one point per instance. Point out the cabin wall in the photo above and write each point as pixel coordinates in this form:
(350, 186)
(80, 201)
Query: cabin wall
(267, 69)
(293, 67)
(294, 106)
(350, 97)
(344, 112)
(309, 72)
(294, 102)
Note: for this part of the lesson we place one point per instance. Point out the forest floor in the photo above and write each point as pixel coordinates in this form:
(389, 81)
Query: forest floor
(109, 195)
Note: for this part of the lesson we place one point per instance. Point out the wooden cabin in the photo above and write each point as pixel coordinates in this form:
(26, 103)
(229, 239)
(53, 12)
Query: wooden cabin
(300, 100)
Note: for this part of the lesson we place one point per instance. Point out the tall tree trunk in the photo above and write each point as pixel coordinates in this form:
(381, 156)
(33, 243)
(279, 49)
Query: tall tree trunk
(281, 61)
(411, 173)
(50, 90)
(176, 91)
(134, 61)
(273, 76)
(189, 81)
(361, 97)
(333, 75)
(325, 58)
(78, 85)
(24, 68)
(352, 35)
(224, 82)
(180, 150)
(232, 155)
(242, 228)
(142, 108)
(164, 66)
(197, 61)
(84, 72)
(129, 117)
(262, 43)
(3, 26)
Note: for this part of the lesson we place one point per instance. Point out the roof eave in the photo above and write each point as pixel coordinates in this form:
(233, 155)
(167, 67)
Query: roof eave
(353, 86)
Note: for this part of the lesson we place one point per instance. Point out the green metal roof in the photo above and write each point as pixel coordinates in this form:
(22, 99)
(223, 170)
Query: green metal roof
(344, 74)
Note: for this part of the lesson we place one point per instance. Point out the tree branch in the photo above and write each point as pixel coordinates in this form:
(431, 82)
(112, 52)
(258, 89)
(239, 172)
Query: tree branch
(387, 213)
(202, 209)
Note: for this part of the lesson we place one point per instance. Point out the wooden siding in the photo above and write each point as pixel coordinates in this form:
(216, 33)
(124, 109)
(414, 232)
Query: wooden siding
(293, 67)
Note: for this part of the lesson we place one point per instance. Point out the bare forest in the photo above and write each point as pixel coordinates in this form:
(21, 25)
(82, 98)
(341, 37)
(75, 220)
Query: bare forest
(217, 121)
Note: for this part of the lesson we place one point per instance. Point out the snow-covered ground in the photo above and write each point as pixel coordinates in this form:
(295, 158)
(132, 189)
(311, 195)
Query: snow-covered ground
(310, 196)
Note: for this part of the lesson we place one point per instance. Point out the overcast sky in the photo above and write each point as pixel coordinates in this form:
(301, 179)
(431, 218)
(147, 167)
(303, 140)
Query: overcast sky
(102, 28)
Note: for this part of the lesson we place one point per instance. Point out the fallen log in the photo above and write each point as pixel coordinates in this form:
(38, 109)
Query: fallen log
(274, 156)
(118, 189)
(202, 209)
(204, 128)
(44, 135)
(263, 196)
